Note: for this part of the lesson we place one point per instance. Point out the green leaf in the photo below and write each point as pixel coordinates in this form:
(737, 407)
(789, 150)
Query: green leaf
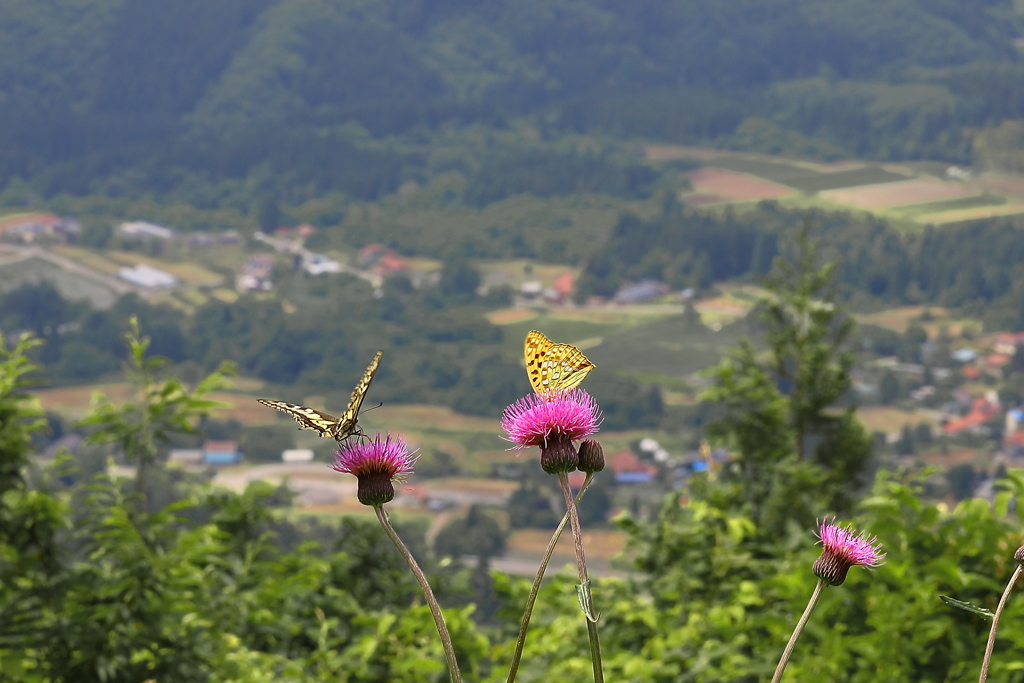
(586, 600)
(967, 607)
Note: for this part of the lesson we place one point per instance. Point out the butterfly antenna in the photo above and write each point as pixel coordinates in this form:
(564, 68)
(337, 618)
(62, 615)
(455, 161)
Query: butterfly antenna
(373, 408)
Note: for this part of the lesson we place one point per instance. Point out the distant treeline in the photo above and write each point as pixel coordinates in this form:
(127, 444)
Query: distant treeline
(974, 266)
(142, 97)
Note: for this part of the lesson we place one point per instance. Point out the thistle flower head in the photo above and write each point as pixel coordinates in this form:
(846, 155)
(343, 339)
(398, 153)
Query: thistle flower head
(534, 420)
(842, 549)
(376, 464)
(553, 423)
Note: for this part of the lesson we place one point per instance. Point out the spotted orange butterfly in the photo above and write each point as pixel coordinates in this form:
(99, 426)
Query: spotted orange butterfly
(554, 367)
(341, 427)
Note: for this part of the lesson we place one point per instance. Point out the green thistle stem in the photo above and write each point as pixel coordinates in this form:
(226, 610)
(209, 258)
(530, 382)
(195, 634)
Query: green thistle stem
(995, 625)
(798, 630)
(581, 568)
(521, 640)
(435, 609)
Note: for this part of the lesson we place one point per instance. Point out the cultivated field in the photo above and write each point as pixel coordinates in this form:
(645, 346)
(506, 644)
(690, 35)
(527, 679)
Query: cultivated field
(891, 420)
(899, 193)
(910, 195)
(937, 325)
(733, 186)
(507, 316)
(111, 262)
(899, 319)
(1003, 209)
(74, 286)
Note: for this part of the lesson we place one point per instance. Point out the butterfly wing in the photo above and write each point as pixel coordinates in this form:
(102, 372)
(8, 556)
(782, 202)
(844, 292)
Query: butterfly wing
(307, 418)
(554, 367)
(347, 421)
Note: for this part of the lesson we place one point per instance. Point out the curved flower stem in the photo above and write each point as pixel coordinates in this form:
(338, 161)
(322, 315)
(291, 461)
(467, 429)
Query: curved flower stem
(584, 587)
(995, 625)
(442, 630)
(798, 630)
(521, 640)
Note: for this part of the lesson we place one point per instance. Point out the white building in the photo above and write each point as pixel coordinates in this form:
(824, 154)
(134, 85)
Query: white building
(297, 455)
(187, 456)
(315, 264)
(144, 229)
(147, 276)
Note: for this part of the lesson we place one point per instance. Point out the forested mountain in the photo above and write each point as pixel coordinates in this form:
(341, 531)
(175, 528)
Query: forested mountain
(123, 95)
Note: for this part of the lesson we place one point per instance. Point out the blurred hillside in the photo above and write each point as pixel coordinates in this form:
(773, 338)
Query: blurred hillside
(213, 100)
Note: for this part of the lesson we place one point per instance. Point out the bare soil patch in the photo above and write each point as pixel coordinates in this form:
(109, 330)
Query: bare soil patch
(891, 420)
(508, 316)
(735, 186)
(699, 199)
(899, 319)
(898, 193)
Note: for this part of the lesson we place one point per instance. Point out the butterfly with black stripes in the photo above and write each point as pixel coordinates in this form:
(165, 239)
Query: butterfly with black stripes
(328, 426)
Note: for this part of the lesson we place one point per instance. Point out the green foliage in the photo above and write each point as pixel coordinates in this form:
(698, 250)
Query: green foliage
(296, 96)
(265, 443)
(889, 389)
(797, 448)
(546, 173)
(216, 586)
(166, 407)
(681, 248)
(971, 265)
(20, 414)
(475, 534)
(529, 506)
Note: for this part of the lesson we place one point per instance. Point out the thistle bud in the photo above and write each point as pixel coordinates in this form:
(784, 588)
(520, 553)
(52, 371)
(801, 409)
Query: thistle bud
(557, 456)
(591, 457)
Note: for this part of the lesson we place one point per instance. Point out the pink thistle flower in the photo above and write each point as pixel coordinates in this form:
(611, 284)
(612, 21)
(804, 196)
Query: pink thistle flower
(842, 549)
(376, 465)
(552, 423)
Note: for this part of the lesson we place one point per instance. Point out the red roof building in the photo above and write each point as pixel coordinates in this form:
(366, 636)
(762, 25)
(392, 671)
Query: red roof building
(982, 411)
(996, 360)
(629, 469)
(565, 284)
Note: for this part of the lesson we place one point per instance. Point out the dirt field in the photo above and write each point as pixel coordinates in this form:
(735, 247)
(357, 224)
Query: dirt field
(722, 309)
(426, 416)
(899, 319)
(735, 186)
(245, 409)
(915, 191)
(111, 263)
(597, 316)
(73, 402)
(892, 420)
(1009, 185)
(508, 316)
